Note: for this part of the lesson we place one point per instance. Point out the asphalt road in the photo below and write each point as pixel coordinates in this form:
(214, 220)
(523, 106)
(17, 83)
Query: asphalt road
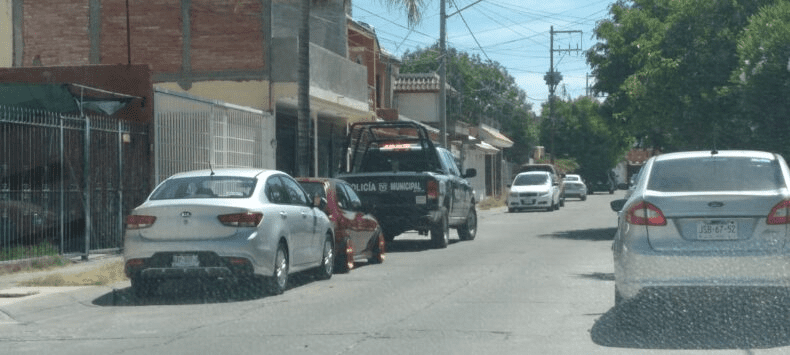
(531, 283)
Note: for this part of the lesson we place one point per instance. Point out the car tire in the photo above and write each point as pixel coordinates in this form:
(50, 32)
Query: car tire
(440, 232)
(468, 230)
(583, 198)
(511, 209)
(344, 260)
(562, 202)
(324, 271)
(278, 281)
(551, 208)
(379, 250)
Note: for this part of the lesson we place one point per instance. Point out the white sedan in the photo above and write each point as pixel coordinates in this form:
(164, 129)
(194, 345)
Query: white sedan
(251, 226)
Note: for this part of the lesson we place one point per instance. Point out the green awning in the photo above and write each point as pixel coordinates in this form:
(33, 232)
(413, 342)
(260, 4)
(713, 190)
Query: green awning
(48, 97)
(62, 98)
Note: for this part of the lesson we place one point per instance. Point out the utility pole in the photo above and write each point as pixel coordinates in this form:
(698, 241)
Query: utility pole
(443, 73)
(552, 79)
(443, 67)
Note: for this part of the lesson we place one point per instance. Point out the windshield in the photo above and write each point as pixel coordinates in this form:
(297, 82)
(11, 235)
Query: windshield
(205, 187)
(314, 188)
(530, 179)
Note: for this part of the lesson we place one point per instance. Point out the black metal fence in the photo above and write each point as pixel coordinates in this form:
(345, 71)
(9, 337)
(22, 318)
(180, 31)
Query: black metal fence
(67, 182)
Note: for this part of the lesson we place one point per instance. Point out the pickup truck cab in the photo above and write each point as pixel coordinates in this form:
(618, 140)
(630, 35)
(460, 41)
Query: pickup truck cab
(408, 183)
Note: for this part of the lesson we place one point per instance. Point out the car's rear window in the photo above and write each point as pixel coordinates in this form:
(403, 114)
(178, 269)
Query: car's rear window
(711, 174)
(205, 187)
(314, 188)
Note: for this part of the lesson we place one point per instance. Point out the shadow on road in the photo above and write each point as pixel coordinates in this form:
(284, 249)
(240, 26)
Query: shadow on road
(701, 318)
(408, 244)
(597, 234)
(186, 292)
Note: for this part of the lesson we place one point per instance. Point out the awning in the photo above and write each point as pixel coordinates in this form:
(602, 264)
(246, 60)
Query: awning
(492, 136)
(487, 148)
(62, 98)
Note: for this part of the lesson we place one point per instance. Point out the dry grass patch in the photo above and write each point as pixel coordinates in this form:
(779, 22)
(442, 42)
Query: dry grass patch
(34, 264)
(101, 275)
(493, 202)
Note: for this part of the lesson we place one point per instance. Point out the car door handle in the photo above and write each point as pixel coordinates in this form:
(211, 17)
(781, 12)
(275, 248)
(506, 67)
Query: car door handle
(304, 214)
(283, 215)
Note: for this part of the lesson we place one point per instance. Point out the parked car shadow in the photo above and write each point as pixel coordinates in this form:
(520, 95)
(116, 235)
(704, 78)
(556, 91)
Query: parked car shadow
(700, 318)
(413, 242)
(186, 292)
(596, 234)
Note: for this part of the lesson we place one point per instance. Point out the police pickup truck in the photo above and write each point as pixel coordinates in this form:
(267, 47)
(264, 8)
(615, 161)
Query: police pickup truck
(407, 182)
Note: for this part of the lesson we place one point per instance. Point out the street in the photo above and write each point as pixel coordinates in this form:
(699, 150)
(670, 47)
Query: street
(530, 283)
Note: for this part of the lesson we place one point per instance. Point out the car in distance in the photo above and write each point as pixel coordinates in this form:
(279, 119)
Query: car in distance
(575, 187)
(251, 226)
(601, 183)
(534, 190)
(357, 233)
(704, 218)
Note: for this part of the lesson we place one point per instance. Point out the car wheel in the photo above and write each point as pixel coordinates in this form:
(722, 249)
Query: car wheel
(511, 209)
(379, 251)
(562, 202)
(440, 232)
(468, 230)
(584, 197)
(324, 271)
(611, 192)
(344, 260)
(278, 281)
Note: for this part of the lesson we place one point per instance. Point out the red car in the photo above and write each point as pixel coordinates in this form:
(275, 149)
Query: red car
(357, 233)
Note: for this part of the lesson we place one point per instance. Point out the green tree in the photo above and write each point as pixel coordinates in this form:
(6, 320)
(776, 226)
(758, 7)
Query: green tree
(485, 93)
(664, 65)
(585, 133)
(761, 82)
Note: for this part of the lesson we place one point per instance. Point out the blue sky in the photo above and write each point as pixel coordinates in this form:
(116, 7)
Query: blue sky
(514, 33)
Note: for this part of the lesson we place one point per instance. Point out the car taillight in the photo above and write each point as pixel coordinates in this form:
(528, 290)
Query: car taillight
(645, 214)
(139, 222)
(241, 219)
(780, 214)
(432, 190)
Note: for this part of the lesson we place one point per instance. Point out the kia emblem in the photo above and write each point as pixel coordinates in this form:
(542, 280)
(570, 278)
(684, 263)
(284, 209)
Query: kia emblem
(186, 214)
(715, 204)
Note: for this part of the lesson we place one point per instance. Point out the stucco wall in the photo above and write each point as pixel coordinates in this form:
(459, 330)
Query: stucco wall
(423, 107)
(253, 94)
(6, 34)
(327, 23)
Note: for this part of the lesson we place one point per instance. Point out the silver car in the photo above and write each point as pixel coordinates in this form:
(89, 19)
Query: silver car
(575, 187)
(251, 226)
(707, 218)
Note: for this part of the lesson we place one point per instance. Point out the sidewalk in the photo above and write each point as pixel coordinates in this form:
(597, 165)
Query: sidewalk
(9, 281)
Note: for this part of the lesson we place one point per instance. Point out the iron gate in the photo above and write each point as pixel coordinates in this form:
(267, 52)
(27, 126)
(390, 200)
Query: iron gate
(67, 182)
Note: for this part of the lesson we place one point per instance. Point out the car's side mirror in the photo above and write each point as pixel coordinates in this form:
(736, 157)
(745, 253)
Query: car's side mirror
(617, 205)
(470, 173)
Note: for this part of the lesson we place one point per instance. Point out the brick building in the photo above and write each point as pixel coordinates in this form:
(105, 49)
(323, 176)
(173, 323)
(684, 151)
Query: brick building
(243, 52)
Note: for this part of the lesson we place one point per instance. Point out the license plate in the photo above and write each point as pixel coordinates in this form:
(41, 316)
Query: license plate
(717, 230)
(185, 260)
(528, 202)
(421, 199)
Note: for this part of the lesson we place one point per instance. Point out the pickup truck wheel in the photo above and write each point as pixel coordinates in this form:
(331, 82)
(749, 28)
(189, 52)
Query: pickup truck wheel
(468, 230)
(440, 233)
